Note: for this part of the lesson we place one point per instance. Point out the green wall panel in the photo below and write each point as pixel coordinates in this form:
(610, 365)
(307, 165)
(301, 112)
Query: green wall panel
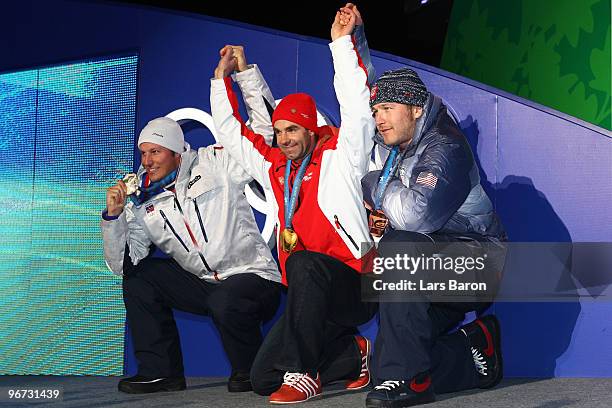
(554, 52)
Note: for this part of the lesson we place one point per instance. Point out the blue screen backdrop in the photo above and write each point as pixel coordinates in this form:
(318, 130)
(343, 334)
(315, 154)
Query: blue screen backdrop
(66, 133)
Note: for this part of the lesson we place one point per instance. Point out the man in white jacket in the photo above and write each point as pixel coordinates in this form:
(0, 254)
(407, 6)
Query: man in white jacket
(190, 205)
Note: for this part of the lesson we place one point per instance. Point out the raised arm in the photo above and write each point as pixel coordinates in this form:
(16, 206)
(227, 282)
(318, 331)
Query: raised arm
(353, 93)
(360, 42)
(256, 93)
(248, 148)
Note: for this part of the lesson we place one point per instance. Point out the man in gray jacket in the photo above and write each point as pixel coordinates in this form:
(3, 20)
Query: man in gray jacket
(190, 205)
(427, 189)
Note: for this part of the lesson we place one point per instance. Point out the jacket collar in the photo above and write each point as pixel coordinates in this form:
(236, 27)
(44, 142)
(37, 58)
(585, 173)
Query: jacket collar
(423, 124)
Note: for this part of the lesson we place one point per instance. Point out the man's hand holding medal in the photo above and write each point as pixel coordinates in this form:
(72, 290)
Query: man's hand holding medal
(117, 194)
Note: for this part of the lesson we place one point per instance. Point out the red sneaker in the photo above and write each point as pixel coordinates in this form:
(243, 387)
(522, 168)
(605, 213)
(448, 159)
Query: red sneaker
(297, 387)
(364, 376)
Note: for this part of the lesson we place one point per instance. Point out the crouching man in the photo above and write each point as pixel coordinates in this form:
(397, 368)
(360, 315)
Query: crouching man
(189, 204)
(314, 175)
(427, 190)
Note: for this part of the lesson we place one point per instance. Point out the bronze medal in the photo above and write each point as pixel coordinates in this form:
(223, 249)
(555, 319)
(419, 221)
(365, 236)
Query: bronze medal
(288, 240)
(377, 222)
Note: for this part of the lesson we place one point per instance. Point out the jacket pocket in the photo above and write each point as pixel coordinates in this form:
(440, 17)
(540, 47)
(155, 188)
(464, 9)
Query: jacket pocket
(197, 209)
(169, 225)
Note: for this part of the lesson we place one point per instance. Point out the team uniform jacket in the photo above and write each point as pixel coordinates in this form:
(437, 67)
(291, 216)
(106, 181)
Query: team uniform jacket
(438, 186)
(206, 225)
(329, 216)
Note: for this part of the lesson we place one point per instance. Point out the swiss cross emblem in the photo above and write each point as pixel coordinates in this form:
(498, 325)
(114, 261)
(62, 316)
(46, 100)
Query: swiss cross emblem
(373, 92)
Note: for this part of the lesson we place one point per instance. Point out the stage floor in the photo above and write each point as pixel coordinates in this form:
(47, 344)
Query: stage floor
(93, 392)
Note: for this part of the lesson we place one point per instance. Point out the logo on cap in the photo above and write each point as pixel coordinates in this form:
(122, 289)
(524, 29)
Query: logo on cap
(373, 92)
(157, 134)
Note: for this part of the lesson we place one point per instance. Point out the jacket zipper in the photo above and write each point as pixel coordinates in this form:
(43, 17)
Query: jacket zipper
(200, 220)
(166, 222)
(338, 225)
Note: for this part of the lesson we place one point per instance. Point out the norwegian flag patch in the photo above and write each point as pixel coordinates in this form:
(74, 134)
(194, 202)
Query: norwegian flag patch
(427, 179)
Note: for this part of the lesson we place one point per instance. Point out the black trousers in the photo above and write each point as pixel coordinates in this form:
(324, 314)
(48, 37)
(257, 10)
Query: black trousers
(237, 305)
(317, 331)
(414, 336)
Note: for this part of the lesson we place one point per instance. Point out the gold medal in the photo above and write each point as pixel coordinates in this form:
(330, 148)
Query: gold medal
(288, 240)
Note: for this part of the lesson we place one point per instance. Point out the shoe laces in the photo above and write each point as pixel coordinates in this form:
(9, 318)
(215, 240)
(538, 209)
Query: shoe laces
(364, 366)
(388, 385)
(364, 363)
(479, 361)
(293, 379)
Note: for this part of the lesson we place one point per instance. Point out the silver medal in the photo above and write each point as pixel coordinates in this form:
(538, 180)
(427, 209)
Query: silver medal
(131, 181)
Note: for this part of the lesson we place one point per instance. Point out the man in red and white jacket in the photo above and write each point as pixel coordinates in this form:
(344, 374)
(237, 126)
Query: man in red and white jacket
(322, 233)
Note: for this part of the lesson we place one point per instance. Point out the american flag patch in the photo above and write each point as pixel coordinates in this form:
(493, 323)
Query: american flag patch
(427, 179)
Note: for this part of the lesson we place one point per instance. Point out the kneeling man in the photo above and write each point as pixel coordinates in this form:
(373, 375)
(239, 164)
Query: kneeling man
(189, 204)
(428, 190)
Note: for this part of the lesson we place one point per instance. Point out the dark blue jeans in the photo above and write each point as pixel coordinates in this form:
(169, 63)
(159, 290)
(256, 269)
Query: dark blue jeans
(414, 336)
(317, 331)
(238, 305)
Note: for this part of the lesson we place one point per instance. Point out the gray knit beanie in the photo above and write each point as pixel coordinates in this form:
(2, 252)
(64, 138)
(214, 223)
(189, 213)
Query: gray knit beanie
(401, 86)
